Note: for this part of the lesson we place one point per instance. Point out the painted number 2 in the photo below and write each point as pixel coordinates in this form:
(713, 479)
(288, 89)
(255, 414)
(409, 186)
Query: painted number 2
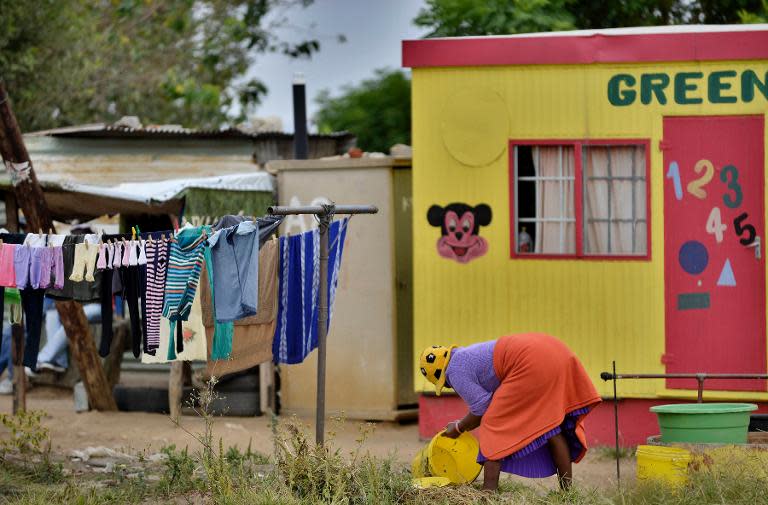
(696, 188)
(740, 229)
(715, 224)
(730, 176)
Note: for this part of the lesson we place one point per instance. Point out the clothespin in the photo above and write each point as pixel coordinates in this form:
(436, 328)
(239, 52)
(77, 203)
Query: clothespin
(133, 233)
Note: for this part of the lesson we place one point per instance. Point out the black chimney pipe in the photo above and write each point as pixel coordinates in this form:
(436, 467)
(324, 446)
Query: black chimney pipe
(300, 140)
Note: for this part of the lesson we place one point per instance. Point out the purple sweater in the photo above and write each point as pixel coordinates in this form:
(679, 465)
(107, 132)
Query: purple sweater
(470, 373)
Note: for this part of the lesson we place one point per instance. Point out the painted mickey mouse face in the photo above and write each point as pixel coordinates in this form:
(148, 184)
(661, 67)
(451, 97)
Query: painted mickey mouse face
(460, 227)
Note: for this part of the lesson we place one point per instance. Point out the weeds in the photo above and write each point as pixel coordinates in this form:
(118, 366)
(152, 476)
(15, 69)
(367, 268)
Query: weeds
(29, 447)
(299, 472)
(322, 474)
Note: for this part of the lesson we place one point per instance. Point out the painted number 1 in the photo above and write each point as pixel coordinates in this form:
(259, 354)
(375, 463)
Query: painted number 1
(674, 174)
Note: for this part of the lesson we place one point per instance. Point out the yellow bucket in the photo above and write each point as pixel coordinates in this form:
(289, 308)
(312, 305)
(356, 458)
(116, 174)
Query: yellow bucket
(427, 482)
(455, 459)
(669, 464)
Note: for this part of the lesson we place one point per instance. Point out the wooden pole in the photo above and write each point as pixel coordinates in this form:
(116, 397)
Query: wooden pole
(175, 388)
(11, 213)
(30, 198)
(19, 377)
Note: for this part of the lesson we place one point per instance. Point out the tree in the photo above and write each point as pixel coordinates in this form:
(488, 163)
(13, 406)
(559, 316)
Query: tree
(450, 18)
(761, 16)
(377, 110)
(175, 61)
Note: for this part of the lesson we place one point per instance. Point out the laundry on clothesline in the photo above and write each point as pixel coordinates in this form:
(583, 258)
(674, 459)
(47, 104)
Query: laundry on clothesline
(225, 294)
(299, 290)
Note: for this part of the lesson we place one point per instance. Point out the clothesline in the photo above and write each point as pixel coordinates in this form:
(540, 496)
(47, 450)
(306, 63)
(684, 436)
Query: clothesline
(158, 280)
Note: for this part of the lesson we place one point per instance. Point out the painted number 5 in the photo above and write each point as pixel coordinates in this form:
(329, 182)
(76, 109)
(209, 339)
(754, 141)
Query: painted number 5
(740, 229)
(696, 188)
(715, 224)
(730, 176)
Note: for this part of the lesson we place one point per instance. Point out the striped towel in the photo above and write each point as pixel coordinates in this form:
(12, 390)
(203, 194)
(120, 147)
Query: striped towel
(185, 263)
(299, 291)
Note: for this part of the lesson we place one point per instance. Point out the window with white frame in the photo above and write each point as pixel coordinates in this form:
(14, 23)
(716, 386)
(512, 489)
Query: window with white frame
(615, 193)
(604, 215)
(545, 177)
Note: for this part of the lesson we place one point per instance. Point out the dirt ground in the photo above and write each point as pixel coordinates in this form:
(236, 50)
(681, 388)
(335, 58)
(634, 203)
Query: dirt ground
(140, 432)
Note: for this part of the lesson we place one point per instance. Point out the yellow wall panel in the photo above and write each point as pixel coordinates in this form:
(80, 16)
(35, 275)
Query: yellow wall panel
(604, 310)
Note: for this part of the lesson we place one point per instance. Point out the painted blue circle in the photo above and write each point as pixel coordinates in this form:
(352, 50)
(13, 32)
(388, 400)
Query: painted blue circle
(693, 257)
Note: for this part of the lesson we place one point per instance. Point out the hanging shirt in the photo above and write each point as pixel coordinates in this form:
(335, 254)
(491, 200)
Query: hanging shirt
(235, 253)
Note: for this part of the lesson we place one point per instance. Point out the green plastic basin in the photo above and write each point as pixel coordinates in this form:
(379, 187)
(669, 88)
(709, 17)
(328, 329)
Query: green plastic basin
(716, 423)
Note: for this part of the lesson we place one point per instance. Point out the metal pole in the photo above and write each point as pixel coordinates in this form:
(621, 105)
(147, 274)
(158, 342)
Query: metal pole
(322, 329)
(326, 213)
(300, 139)
(278, 210)
(616, 421)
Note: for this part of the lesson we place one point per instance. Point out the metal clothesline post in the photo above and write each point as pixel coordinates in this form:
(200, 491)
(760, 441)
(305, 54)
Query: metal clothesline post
(325, 213)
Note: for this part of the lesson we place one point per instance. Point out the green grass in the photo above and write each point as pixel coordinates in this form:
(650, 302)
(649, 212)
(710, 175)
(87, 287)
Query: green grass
(301, 473)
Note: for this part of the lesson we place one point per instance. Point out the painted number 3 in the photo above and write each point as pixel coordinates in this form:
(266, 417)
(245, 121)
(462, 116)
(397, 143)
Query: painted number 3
(730, 176)
(715, 224)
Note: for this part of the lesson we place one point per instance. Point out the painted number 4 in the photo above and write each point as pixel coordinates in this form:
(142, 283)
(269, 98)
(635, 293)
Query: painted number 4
(715, 224)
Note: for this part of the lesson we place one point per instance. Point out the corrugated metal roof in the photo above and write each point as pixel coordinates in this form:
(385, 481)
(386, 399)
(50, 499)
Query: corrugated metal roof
(104, 130)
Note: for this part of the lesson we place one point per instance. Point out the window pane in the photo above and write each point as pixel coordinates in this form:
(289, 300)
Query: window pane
(615, 220)
(544, 192)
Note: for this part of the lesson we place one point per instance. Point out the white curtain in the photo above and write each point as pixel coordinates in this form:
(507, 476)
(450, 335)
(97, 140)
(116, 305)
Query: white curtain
(614, 210)
(555, 175)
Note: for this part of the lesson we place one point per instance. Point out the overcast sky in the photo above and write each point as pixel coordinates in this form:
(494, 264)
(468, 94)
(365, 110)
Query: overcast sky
(374, 30)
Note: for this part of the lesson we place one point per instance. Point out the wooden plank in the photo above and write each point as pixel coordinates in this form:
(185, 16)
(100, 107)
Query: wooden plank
(83, 350)
(175, 389)
(266, 387)
(19, 377)
(114, 359)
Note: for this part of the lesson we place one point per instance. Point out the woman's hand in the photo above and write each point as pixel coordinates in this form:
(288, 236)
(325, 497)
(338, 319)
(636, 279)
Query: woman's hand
(452, 431)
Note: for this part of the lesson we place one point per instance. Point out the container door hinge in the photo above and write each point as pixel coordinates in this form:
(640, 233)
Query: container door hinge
(664, 145)
(667, 359)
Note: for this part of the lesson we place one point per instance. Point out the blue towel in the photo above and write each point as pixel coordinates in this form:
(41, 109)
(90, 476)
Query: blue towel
(299, 291)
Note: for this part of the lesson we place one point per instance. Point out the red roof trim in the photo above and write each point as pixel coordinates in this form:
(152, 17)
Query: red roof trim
(596, 48)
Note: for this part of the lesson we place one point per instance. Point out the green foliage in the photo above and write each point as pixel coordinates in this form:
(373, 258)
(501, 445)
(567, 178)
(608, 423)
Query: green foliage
(449, 18)
(760, 16)
(27, 447)
(171, 61)
(322, 474)
(178, 474)
(378, 111)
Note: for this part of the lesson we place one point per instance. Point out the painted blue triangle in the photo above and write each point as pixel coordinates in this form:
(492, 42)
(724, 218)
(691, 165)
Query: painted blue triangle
(726, 275)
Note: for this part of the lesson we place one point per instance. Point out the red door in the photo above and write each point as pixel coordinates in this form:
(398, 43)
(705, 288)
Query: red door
(713, 267)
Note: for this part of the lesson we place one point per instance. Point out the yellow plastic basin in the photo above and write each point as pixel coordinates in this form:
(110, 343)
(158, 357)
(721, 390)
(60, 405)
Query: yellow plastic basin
(668, 464)
(455, 459)
(425, 482)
